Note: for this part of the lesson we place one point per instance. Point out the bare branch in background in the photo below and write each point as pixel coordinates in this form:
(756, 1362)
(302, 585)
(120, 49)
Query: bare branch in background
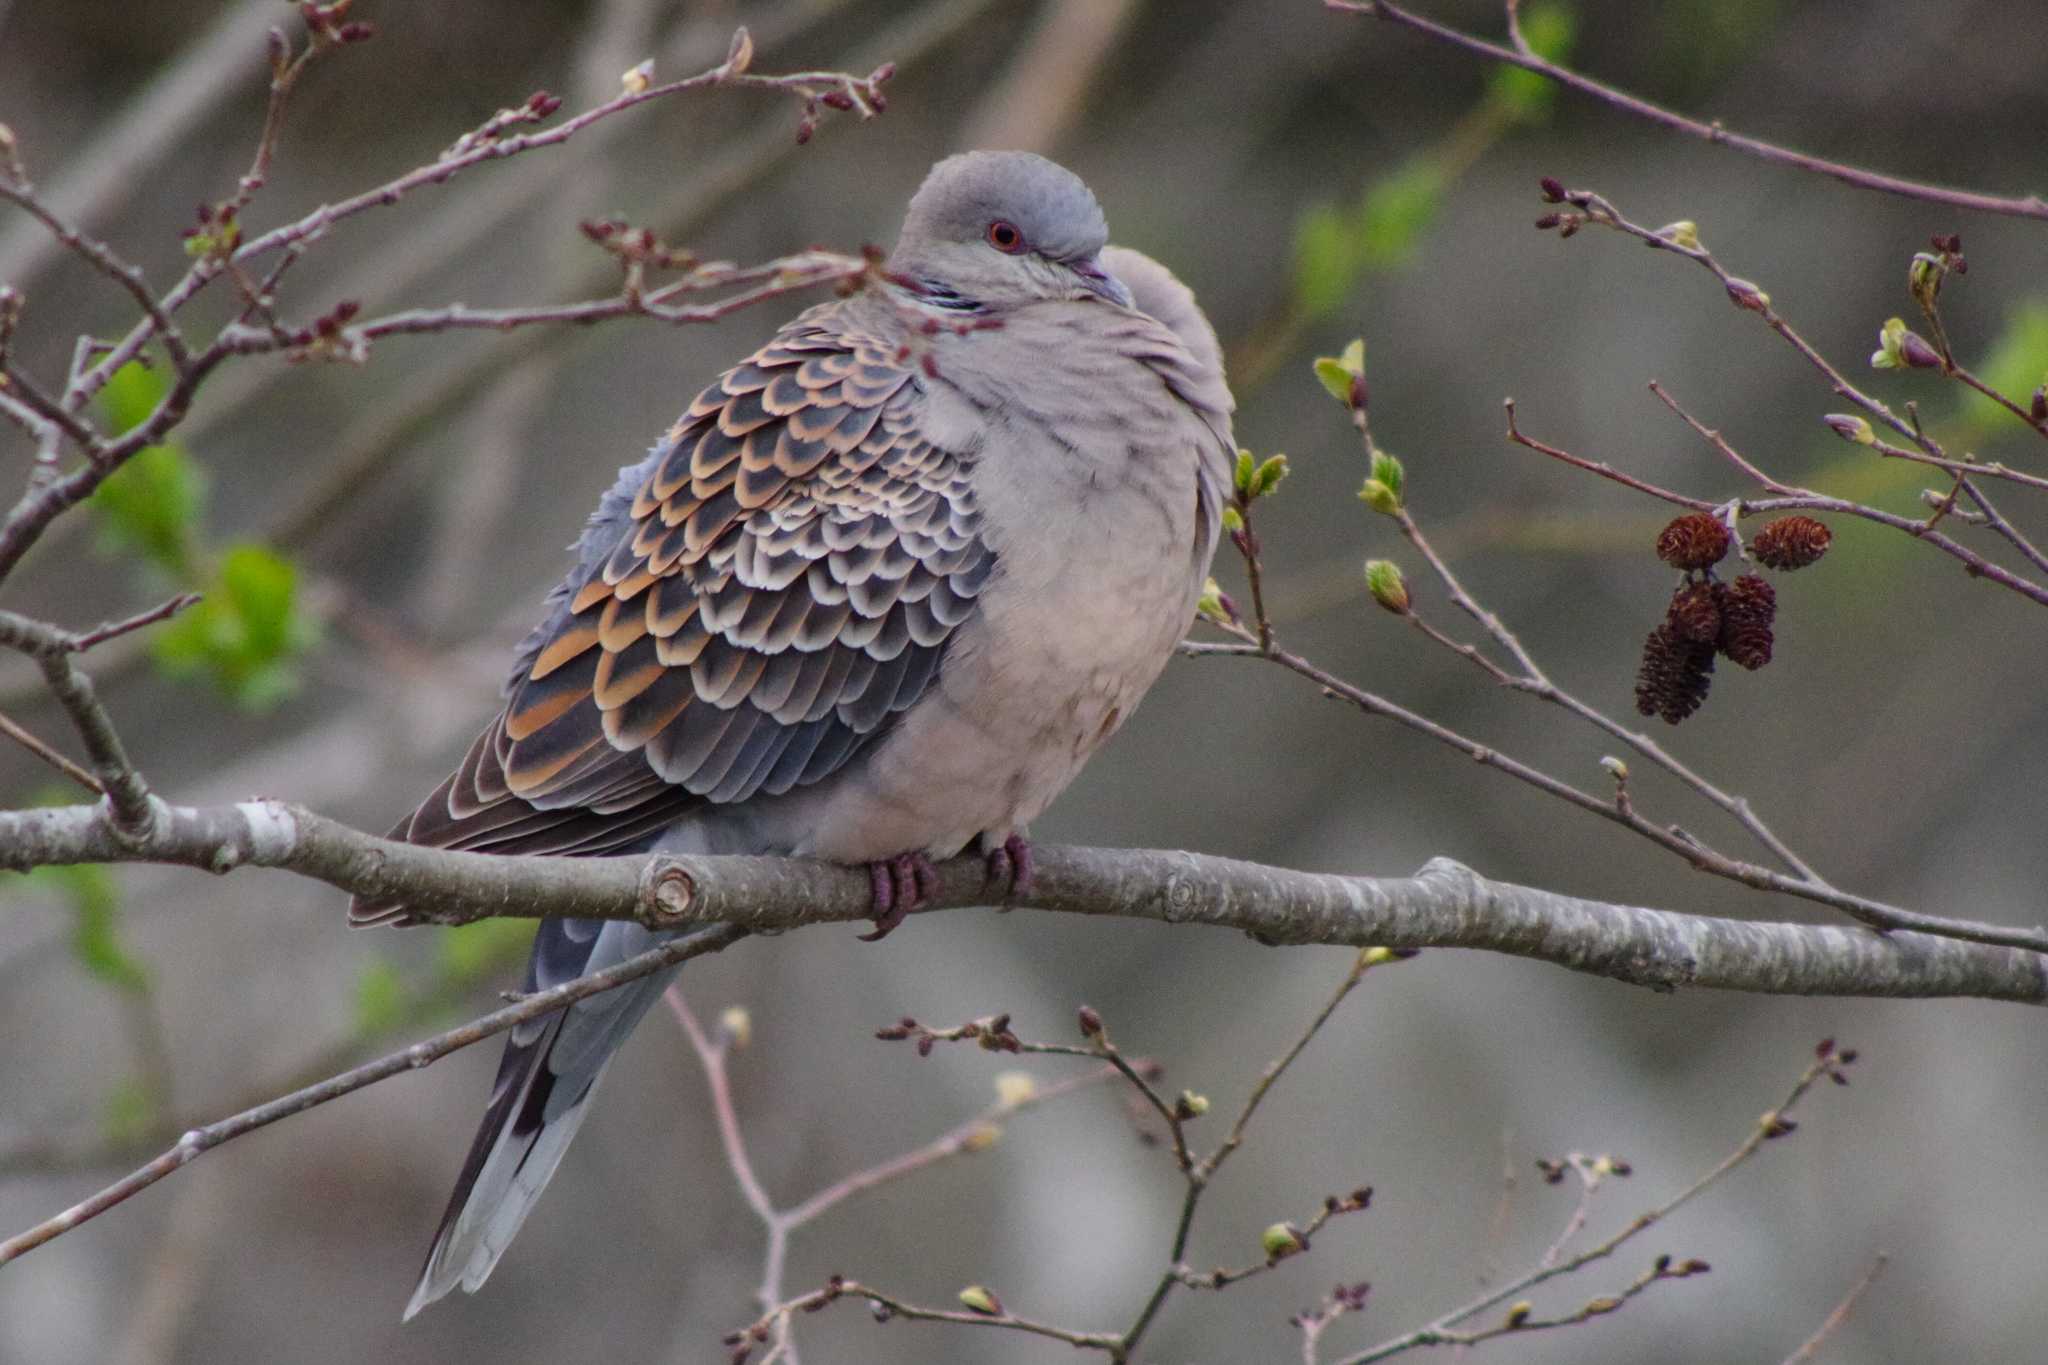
(2030, 206)
(1811, 1347)
(222, 248)
(1015, 1093)
(202, 1140)
(1829, 1063)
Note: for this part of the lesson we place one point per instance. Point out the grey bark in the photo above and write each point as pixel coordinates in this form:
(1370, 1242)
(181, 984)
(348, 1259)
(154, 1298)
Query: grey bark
(1445, 905)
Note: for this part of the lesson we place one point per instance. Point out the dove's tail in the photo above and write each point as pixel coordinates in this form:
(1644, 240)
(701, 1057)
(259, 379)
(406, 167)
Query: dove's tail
(550, 1068)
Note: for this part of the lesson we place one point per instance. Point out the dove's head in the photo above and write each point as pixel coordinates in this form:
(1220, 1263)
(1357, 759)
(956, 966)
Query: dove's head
(989, 231)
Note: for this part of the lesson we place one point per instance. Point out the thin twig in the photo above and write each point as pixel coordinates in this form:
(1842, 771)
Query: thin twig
(28, 741)
(1443, 1330)
(1199, 1174)
(127, 795)
(420, 1054)
(972, 1135)
(50, 756)
(2031, 206)
(1833, 1322)
(113, 630)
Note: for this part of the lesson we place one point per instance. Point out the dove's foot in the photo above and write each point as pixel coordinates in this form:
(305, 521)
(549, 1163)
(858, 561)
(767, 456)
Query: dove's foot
(900, 885)
(1009, 866)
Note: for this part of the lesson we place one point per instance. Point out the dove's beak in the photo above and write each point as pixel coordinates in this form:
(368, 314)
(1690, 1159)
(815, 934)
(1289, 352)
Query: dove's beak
(1100, 282)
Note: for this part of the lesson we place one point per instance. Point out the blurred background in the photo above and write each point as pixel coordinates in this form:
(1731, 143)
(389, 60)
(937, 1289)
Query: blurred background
(374, 539)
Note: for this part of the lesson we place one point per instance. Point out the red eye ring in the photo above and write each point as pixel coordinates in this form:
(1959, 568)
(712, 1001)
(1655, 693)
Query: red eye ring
(1004, 237)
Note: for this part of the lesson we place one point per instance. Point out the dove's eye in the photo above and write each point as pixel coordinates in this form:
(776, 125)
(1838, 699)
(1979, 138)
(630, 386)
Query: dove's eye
(1004, 237)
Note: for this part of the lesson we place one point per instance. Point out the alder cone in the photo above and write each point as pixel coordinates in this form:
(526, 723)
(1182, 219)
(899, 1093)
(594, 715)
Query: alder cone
(1748, 607)
(1693, 541)
(1672, 681)
(1790, 543)
(1695, 613)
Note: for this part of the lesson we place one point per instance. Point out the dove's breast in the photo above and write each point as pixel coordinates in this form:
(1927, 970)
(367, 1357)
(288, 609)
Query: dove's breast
(1097, 488)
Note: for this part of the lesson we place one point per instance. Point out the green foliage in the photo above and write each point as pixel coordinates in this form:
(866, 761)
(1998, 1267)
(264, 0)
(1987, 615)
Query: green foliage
(1257, 478)
(150, 506)
(95, 904)
(131, 394)
(1390, 472)
(1340, 373)
(1327, 260)
(475, 952)
(2016, 364)
(380, 999)
(1524, 96)
(1397, 208)
(246, 631)
(1335, 246)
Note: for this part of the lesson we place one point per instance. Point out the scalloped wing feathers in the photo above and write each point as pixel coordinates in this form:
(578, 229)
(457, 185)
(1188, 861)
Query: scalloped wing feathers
(783, 582)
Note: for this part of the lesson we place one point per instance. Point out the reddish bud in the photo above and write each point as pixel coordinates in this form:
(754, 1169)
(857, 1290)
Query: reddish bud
(1745, 294)
(1091, 1022)
(1553, 189)
(1915, 351)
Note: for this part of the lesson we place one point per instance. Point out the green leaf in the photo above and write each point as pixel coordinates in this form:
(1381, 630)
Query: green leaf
(131, 394)
(477, 951)
(1268, 475)
(380, 998)
(1383, 580)
(246, 631)
(1337, 372)
(1397, 208)
(1523, 95)
(95, 923)
(1327, 258)
(1388, 471)
(150, 507)
(1335, 378)
(151, 504)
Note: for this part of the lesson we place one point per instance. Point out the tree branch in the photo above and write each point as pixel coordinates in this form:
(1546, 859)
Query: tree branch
(1444, 906)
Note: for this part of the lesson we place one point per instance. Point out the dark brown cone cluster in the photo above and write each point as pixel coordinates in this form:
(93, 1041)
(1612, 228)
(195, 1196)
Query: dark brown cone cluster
(1706, 617)
(1748, 606)
(1692, 542)
(1703, 619)
(1790, 543)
